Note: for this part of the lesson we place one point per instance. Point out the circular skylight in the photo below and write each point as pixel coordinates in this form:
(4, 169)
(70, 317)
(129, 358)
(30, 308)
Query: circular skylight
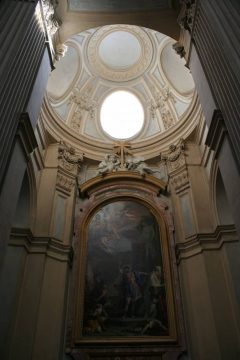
(122, 115)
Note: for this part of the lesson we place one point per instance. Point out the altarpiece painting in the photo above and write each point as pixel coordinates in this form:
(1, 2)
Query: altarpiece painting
(125, 292)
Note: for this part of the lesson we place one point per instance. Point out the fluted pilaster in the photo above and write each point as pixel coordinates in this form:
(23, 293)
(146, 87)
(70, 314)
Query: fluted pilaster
(22, 44)
(215, 36)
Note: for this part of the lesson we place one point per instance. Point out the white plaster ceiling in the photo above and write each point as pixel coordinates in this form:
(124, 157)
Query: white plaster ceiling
(174, 68)
(62, 77)
(119, 50)
(120, 57)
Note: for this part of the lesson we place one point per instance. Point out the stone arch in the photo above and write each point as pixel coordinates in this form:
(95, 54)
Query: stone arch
(96, 194)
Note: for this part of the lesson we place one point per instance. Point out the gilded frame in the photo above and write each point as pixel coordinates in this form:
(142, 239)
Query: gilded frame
(96, 193)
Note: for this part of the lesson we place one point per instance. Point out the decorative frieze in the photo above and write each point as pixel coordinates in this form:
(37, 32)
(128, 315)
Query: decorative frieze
(180, 180)
(64, 182)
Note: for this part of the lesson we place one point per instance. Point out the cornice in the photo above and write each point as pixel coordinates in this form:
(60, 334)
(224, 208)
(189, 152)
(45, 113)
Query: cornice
(41, 245)
(96, 149)
(124, 177)
(199, 243)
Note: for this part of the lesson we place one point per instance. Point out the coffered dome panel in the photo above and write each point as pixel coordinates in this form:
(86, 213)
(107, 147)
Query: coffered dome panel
(119, 52)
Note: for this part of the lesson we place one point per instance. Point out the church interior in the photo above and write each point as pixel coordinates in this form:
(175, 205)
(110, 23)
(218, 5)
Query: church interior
(120, 180)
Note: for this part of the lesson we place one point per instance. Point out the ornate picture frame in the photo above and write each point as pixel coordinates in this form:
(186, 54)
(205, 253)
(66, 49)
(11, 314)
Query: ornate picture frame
(125, 283)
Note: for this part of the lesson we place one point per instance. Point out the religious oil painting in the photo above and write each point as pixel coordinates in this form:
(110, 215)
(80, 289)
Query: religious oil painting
(125, 293)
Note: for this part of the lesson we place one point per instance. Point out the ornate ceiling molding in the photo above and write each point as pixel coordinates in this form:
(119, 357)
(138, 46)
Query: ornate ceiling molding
(96, 149)
(74, 117)
(129, 73)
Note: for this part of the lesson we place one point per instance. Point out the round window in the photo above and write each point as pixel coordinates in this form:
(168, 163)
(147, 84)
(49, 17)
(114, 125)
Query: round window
(122, 115)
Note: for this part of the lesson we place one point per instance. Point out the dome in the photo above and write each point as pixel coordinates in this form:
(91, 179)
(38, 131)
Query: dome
(129, 59)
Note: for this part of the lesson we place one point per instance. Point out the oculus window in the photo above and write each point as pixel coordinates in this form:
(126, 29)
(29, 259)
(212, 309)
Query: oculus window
(122, 115)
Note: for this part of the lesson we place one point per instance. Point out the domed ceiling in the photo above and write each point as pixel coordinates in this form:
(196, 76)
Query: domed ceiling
(128, 58)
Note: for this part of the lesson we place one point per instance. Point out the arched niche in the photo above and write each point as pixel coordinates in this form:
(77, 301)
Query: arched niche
(124, 282)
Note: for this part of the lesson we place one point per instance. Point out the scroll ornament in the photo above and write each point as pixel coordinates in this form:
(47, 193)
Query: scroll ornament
(68, 158)
(174, 157)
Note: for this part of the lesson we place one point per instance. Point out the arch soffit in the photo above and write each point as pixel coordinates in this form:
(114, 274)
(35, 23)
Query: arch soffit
(74, 22)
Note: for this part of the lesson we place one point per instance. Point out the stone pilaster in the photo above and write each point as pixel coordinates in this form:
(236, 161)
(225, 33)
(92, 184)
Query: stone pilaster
(202, 251)
(47, 254)
(211, 28)
(57, 192)
(22, 44)
(180, 189)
